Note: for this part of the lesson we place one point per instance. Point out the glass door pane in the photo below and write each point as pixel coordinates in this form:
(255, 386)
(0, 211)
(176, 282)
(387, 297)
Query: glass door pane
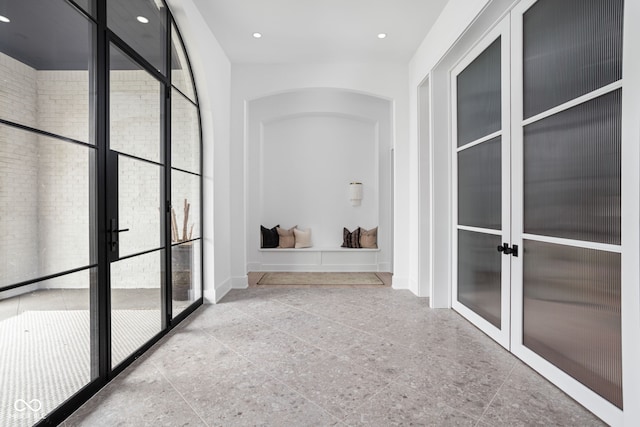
(186, 203)
(481, 157)
(136, 303)
(569, 215)
(48, 215)
(136, 211)
(142, 24)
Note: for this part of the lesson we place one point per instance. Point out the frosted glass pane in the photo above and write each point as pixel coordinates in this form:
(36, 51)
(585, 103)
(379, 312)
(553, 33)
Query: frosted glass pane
(571, 47)
(480, 185)
(479, 274)
(479, 93)
(572, 172)
(572, 313)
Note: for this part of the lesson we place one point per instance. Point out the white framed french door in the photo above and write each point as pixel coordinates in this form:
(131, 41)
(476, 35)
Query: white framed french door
(566, 186)
(561, 127)
(481, 185)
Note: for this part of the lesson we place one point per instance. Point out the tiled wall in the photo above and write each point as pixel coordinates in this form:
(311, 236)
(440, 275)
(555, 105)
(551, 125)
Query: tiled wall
(18, 174)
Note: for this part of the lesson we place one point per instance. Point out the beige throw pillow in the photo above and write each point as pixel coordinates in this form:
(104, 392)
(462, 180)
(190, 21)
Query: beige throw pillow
(287, 238)
(369, 239)
(303, 238)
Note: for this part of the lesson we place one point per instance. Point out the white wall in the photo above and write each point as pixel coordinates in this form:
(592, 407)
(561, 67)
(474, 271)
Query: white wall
(250, 82)
(306, 165)
(212, 72)
(453, 21)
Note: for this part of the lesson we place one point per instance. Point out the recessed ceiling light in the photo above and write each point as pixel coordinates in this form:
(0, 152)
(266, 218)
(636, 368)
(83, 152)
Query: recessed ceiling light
(142, 19)
(382, 35)
(4, 19)
(257, 35)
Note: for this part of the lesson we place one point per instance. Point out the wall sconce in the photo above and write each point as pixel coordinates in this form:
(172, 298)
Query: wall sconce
(355, 193)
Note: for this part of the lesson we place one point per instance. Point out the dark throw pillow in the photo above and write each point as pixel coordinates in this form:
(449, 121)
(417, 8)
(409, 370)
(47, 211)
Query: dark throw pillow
(270, 237)
(351, 239)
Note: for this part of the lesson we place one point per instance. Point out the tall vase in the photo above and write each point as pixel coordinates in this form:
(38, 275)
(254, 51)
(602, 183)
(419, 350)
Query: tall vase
(181, 268)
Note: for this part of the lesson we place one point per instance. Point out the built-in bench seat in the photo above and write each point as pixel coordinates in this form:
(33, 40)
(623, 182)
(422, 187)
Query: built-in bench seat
(318, 259)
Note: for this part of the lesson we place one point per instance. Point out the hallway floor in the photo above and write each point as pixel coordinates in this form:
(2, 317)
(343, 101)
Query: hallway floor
(328, 356)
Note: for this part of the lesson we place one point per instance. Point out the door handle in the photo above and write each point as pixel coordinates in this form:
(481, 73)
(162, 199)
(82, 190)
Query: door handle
(114, 232)
(506, 250)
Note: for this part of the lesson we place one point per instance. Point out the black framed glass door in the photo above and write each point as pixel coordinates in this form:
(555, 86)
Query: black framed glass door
(135, 205)
(86, 147)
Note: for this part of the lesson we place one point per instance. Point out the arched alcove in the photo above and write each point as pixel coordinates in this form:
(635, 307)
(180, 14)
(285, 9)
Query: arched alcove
(303, 148)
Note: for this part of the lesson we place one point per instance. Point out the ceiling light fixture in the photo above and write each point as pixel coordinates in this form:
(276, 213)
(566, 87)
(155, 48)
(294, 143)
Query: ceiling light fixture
(4, 19)
(257, 35)
(382, 35)
(142, 19)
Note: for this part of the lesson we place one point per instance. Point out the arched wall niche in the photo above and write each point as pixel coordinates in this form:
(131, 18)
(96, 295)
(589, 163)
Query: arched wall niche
(302, 149)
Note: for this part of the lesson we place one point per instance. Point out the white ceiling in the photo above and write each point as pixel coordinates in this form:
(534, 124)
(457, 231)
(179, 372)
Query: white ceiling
(296, 31)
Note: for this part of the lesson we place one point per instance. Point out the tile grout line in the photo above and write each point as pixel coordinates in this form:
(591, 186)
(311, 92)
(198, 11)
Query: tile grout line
(395, 380)
(272, 376)
(390, 381)
(515, 364)
(179, 393)
(324, 317)
(367, 400)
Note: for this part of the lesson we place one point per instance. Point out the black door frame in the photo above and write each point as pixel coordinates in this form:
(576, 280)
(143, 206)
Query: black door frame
(106, 202)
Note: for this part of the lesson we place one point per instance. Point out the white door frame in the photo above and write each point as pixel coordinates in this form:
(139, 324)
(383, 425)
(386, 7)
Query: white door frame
(597, 404)
(502, 335)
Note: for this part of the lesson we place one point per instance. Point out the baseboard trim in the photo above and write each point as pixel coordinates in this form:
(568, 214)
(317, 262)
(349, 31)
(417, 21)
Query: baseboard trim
(400, 283)
(384, 267)
(413, 287)
(213, 296)
(240, 282)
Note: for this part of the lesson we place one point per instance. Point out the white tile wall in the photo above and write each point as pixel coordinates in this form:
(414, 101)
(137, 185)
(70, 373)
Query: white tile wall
(18, 174)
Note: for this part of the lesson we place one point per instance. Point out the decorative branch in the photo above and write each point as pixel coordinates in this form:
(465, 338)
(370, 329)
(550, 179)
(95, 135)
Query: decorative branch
(186, 220)
(175, 231)
(174, 227)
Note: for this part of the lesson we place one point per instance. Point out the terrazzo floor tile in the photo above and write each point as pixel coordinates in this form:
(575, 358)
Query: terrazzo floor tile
(328, 356)
(270, 347)
(384, 357)
(249, 397)
(141, 396)
(335, 384)
(398, 406)
(193, 355)
(466, 388)
(527, 399)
